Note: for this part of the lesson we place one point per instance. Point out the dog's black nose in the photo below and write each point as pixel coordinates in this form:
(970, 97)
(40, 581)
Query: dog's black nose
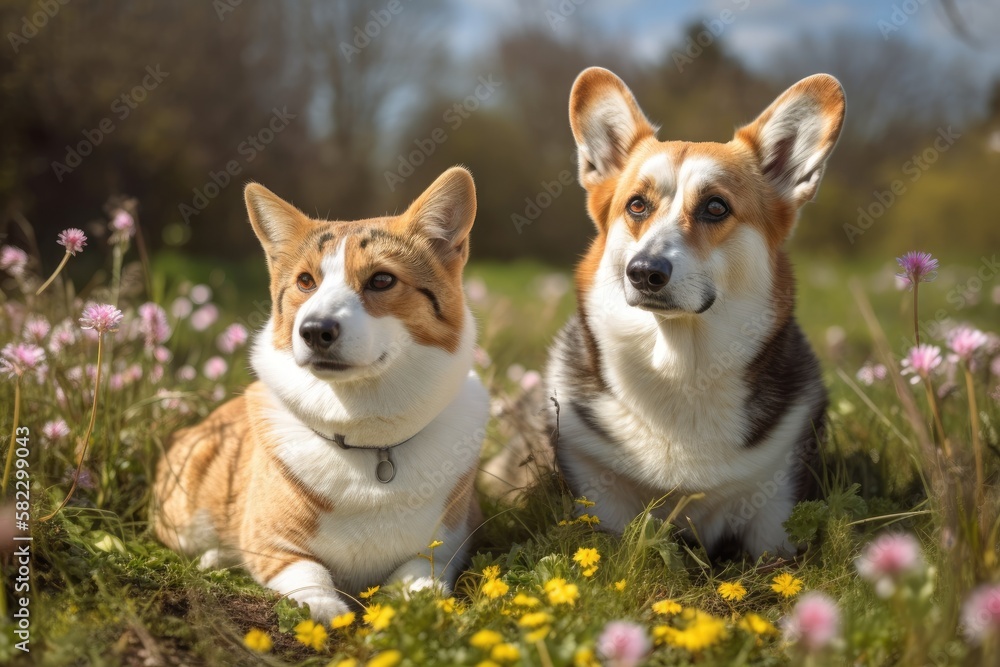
(319, 335)
(649, 274)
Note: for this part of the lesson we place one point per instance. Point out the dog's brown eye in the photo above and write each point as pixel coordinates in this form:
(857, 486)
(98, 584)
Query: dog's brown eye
(305, 282)
(636, 206)
(381, 281)
(716, 208)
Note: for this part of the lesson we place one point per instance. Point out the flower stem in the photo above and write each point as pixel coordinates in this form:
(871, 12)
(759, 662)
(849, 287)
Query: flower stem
(116, 280)
(90, 430)
(916, 326)
(13, 435)
(977, 447)
(932, 402)
(54, 274)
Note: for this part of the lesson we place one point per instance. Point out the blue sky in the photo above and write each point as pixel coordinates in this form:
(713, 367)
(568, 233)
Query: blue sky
(759, 28)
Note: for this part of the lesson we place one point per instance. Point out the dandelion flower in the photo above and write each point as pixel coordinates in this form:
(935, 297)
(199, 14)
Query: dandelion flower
(587, 559)
(620, 585)
(583, 502)
(342, 621)
(757, 625)
(814, 622)
(584, 657)
(523, 600)
(666, 608)
(487, 663)
(346, 662)
(505, 653)
(560, 592)
(364, 595)
(258, 641)
(623, 644)
(588, 519)
(491, 571)
(701, 631)
(886, 560)
(447, 605)
(484, 639)
(535, 619)
(732, 590)
(378, 616)
(786, 585)
(389, 658)
(494, 588)
(981, 613)
(920, 361)
(435, 544)
(538, 635)
(311, 634)
(102, 318)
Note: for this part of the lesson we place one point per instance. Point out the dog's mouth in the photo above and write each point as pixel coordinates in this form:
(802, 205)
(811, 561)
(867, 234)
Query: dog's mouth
(326, 366)
(665, 305)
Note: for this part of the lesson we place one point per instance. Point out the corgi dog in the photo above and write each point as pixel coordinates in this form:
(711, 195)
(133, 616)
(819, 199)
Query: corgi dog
(684, 372)
(358, 445)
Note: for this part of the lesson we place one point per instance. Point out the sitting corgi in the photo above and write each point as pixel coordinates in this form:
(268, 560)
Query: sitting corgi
(359, 444)
(684, 371)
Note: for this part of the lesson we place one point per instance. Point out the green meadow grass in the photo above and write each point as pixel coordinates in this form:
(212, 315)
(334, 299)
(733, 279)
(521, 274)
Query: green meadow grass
(105, 593)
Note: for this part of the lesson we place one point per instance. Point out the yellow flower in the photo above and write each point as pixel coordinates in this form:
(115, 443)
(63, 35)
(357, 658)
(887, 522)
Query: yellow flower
(258, 640)
(435, 544)
(311, 634)
(447, 605)
(487, 663)
(582, 500)
(535, 619)
(485, 639)
(620, 585)
(732, 590)
(346, 662)
(584, 657)
(588, 559)
(560, 592)
(505, 653)
(702, 631)
(786, 585)
(491, 571)
(385, 659)
(538, 635)
(523, 600)
(494, 588)
(379, 616)
(666, 608)
(586, 518)
(364, 595)
(342, 621)
(757, 625)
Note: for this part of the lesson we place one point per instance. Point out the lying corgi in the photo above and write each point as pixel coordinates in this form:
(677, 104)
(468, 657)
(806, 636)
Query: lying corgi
(359, 444)
(684, 371)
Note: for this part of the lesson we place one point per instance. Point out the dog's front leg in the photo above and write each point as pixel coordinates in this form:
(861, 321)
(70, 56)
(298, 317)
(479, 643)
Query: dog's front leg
(416, 574)
(308, 582)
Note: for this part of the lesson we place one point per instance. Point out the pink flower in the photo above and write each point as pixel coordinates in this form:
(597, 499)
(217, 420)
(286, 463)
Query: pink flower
(981, 613)
(200, 294)
(162, 354)
(180, 308)
(102, 318)
(62, 337)
(920, 361)
(234, 337)
(530, 380)
(481, 357)
(623, 644)
(215, 367)
(917, 267)
(21, 358)
(869, 374)
(13, 260)
(995, 366)
(156, 374)
(153, 324)
(36, 328)
(475, 289)
(186, 373)
(515, 372)
(965, 341)
(814, 622)
(55, 430)
(204, 317)
(72, 239)
(123, 224)
(886, 560)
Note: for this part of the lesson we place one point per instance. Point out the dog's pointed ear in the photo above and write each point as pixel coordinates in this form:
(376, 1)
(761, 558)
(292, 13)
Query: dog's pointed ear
(606, 122)
(444, 213)
(273, 219)
(794, 136)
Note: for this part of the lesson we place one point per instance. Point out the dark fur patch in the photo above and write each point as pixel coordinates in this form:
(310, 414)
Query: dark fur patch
(324, 239)
(572, 349)
(281, 297)
(434, 301)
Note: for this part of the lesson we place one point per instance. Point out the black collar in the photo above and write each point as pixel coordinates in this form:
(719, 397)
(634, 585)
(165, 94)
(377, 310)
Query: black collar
(385, 469)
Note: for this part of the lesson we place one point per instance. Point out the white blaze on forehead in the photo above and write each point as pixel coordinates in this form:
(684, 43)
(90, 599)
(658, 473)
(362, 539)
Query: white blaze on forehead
(334, 298)
(661, 171)
(695, 171)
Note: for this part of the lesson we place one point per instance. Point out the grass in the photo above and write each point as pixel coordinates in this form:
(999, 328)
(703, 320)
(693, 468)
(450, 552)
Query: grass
(105, 593)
